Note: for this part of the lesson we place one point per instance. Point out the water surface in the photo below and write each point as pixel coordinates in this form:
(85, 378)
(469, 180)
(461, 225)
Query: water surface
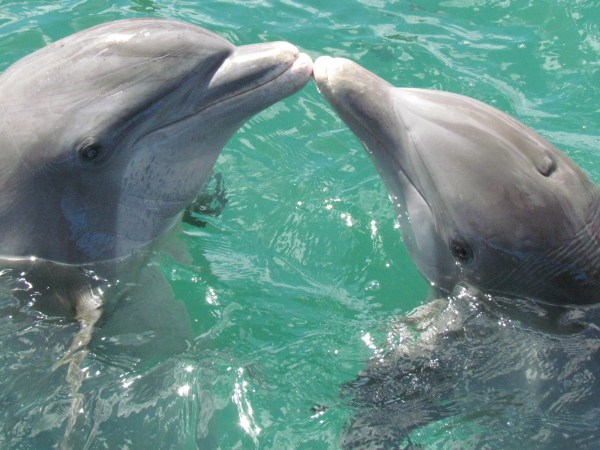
(298, 282)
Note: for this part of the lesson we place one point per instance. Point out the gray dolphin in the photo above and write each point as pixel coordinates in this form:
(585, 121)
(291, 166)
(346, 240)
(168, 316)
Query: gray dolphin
(105, 137)
(482, 199)
(486, 207)
(108, 134)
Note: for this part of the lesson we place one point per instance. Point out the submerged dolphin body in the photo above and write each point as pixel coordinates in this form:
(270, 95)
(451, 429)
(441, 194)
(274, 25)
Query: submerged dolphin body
(482, 199)
(505, 226)
(105, 137)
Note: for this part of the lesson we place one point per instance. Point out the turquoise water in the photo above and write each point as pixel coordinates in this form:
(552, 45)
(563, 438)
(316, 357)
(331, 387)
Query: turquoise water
(294, 286)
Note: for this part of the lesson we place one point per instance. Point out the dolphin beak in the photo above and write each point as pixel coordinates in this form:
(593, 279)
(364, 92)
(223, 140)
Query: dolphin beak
(280, 65)
(248, 80)
(340, 78)
(266, 61)
(324, 65)
(360, 98)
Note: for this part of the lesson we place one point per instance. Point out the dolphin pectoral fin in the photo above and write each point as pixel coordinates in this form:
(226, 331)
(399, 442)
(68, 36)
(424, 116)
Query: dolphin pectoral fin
(88, 312)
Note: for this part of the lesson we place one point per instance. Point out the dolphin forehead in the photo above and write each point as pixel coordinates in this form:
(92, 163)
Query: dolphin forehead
(110, 57)
(484, 169)
(105, 75)
(449, 127)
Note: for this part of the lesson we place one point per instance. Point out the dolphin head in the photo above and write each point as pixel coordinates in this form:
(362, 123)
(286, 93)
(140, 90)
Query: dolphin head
(481, 199)
(108, 134)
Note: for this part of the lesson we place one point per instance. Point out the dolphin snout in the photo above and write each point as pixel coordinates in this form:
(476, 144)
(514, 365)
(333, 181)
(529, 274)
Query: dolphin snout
(360, 98)
(302, 66)
(273, 53)
(336, 74)
(354, 92)
(259, 64)
(323, 66)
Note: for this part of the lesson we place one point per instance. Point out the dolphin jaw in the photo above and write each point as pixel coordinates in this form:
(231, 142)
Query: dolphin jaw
(278, 65)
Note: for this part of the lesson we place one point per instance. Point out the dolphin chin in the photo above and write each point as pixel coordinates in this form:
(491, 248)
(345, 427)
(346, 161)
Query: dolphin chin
(108, 134)
(482, 199)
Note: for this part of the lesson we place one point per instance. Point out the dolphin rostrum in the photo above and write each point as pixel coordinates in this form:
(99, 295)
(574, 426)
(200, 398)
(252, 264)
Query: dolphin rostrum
(482, 199)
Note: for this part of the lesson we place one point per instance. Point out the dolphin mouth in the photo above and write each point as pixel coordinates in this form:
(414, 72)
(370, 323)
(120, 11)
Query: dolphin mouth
(297, 70)
(290, 75)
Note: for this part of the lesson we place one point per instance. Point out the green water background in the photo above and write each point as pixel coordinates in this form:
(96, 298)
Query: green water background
(291, 288)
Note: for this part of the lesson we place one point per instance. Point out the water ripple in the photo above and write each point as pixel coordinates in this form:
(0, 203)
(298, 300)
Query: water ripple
(305, 260)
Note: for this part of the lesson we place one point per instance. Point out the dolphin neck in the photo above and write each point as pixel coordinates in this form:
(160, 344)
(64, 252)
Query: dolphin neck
(584, 252)
(591, 242)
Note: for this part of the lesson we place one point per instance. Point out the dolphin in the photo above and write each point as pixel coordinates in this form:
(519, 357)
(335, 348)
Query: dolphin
(482, 200)
(504, 226)
(106, 136)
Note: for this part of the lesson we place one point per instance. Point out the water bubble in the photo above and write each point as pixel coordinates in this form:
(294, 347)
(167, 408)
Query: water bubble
(373, 286)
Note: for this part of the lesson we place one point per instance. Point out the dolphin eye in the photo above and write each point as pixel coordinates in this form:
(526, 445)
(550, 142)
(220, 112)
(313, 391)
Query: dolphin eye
(90, 152)
(460, 250)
